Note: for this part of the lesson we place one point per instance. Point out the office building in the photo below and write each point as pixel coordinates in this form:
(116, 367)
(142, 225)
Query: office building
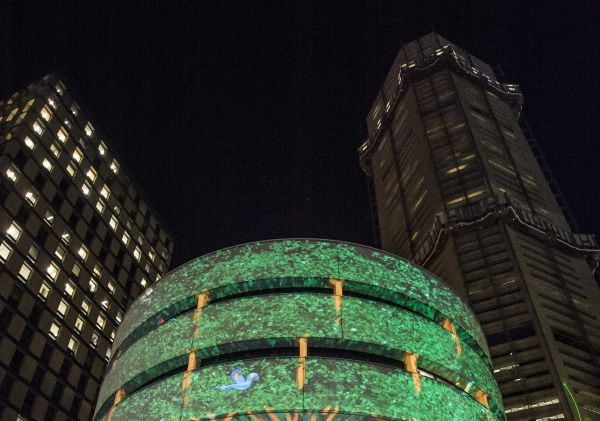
(460, 190)
(78, 242)
(299, 329)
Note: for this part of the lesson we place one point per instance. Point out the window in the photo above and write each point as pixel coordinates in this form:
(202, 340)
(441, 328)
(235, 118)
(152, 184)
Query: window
(46, 113)
(100, 321)
(108, 354)
(69, 289)
(78, 324)
(59, 87)
(54, 330)
(52, 103)
(74, 109)
(14, 232)
(83, 252)
(52, 271)
(49, 217)
(113, 223)
(76, 269)
(89, 129)
(112, 335)
(119, 316)
(100, 206)
(47, 164)
(38, 128)
(91, 174)
(117, 209)
(66, 237)
(114, 166)
(137, 253)
(31, 197)
(25, 271)
(97, 270)
(44, 290)
(143, 282)
(94, 341)
(78, 155)
(125, 238)
(12, 173)
(105, 192)
(55, 151)
(105, 303)
(71, 170)
(5, 251)
(111, 287)
(29, 143)
(93, 285)
(151, 254)
(102, 148)
(73, 344)
(63, 307)
(85, 188)
(60, 253)
(62, 135)
(85, 306)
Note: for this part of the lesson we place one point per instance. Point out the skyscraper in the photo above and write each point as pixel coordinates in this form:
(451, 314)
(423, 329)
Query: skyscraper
(459, 190)
(299, 329)
(78, 242)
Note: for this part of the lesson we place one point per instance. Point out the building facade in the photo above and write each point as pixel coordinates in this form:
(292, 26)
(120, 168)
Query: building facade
(459, 190)
(299, 329)
(77, 244)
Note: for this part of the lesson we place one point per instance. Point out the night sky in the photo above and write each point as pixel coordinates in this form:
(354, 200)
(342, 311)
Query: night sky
(240, 120)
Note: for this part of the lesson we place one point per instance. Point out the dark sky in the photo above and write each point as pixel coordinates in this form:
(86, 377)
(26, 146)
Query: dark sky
(241, 119)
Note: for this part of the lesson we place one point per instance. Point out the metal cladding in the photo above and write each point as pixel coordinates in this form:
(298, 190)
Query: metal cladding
(298, 328)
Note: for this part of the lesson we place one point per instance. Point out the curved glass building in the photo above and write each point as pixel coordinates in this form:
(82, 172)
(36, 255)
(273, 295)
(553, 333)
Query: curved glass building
(299, 329)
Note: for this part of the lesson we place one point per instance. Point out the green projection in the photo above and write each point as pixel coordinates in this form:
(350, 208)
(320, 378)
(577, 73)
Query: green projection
(299, 328)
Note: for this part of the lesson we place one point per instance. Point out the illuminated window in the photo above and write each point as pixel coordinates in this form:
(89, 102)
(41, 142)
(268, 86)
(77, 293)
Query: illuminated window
(44, 290)
(78, 324)
(83, 252)
(113, 223)
(68, 123)
(126, 237)
(108, 354)
(49, 217)
(5, 251)
(14, 232)
(93, 285)
(91, 174)
(12, 114)
(151, 254)
(66, 237)
(12, 173)
(104, 303)
(38, 128)
(114, 166)
(25, 271)
(74, 109)
(31, 197)
(33, 253)
(94, 341)
(60, 253)
(100, 321)
(54, 330)
(55, 151)
(52, 102)
(63, 307)
(113, 333)
(97, 270)
(117, 209)
(102, 148)
(77, 155)
(62, 135)
(47, 164)
(59, 87)
(85, 306)
(89, 129)
(119, 316)
(111, 287)
(456, 169)
(73, 345)
(52, 271)
(46, 113)
(76, 269)
(137, 253)
(144, 282)
(100, 206)
(29, 143)
(85, 188)
(105, 192)
(69, 289)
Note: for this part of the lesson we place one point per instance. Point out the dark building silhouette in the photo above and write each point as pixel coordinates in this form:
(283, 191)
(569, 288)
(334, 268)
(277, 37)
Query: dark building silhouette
(459, 188)
(77, 244)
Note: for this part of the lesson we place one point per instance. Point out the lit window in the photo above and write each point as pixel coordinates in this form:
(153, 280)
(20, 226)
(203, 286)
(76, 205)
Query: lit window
(94, 341)
(52, 271)
(93, 285)
(47, 164)
(68, 123)
(5, 251)
(33, 253)
(104, 303)
(85, 188)
(151, 254)
(83, 252)
(44, 290)
(38, 128)
(105, 192)
(69, 289)
(117, 209)
(63, 307)
(89, 129)
(119, 316)
(14, 232)
(77, 155)
(49, 217)
(31, 197)
(100, 206)
(113, 223)
(59, 87)
(108, 354)
(12, 173)
(102, 148)
(54, 330)
(85, 306)
(114, 166)
(46, 113)
(12, 114)
(456, 169)
(76, 269)
(66, 237)
(25, 272)
(52, 103)
(71, 170)
(74, 109)
(60, 253)
(100, 321)
(55, 151)
(29, 143)
(111, 287)
(125, 238)
(97, 270)
(144, 282)
(137, 253)
(73, 345)
(62, 135)
(78, 324)
(91, 174)
(112, 335)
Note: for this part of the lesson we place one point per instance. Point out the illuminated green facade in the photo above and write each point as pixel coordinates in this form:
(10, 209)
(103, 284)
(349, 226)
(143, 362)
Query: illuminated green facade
(294, 329)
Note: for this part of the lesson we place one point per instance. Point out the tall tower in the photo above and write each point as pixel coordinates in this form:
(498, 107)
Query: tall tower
(78, 242)
(459, 190)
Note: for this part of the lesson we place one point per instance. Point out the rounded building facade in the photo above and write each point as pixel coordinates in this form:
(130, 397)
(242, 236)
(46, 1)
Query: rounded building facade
(299, 329)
